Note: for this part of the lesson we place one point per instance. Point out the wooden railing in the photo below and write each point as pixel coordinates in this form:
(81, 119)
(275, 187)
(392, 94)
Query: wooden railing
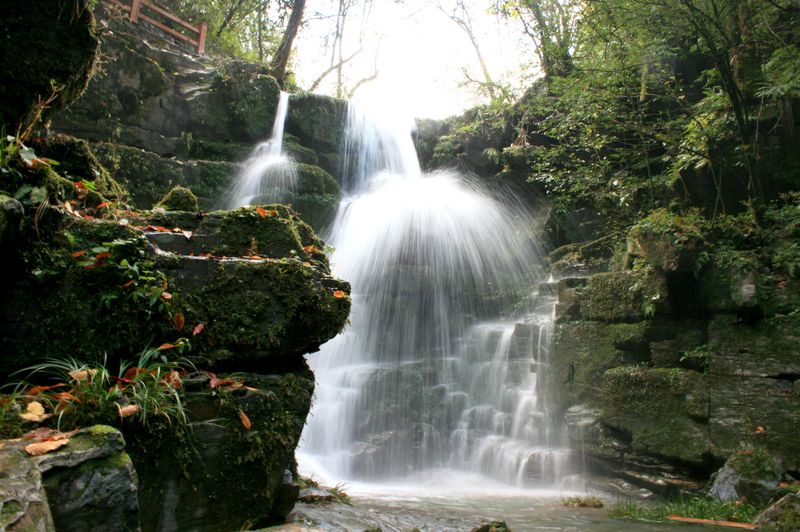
(144, 10)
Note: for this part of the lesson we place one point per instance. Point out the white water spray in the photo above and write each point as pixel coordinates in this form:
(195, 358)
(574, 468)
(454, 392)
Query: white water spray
(268, 175)
(426, 377)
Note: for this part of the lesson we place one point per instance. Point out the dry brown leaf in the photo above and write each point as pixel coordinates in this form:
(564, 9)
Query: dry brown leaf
(39, 434)
(35, 412)
(127, 410)
(43, 447)
(245, 420)
(83, 374)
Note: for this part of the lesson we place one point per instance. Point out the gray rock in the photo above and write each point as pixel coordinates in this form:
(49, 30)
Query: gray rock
(23, 501)
(743, 474)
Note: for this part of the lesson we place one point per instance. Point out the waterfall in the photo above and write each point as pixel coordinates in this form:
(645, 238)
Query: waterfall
(268, 175)
(427, 377)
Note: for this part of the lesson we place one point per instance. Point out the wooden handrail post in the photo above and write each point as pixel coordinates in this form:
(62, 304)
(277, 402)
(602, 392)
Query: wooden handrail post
(201, 39)
(135, 10)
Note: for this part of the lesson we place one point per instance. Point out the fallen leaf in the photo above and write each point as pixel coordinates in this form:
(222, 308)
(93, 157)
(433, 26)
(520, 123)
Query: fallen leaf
(79, 184)
(261, 212)
(39, 389)
(164, 347)
(79, 253)
(179, 321)
(34, 412)
(127, 410)
(339, 294)
(760, 430)
(83, 374)
(36, 449)
(101, 256)
(128, 284)
(166, 296)
(103, 205)
(216, 382)
(172, 379)
(38, 434)
(198, 329)
(245, 420)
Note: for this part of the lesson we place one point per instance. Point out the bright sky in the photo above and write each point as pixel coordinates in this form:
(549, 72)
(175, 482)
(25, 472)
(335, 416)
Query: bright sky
(422, 54)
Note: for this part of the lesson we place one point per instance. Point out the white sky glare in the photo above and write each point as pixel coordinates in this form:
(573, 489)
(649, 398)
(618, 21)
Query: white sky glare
(422, 55)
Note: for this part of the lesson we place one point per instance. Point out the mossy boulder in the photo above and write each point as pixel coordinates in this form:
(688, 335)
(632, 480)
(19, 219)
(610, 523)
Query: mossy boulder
(62, 34)
(148, 176)
(227, 472)
(317, 121)
(179, 199)
(748, 473)
(76, 161)
(259, 314)
(664, 410)
(623, 296)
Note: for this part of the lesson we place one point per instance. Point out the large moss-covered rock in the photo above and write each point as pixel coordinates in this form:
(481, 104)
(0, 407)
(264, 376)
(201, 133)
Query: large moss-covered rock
(149, 176)
(179, 199)
(36, 85)
(665, 411)
(623, 296)
(258, 313)
(226, 473)
(317, 121)
(168, 102)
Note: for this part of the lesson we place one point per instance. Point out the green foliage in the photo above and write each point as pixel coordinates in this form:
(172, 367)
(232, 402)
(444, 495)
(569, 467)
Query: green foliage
(698, 507)
(82, 395)
(755, 464)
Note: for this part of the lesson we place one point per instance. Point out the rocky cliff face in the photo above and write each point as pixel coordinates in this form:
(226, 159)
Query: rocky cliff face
(661, 374)
(91, 279)
(158, 117)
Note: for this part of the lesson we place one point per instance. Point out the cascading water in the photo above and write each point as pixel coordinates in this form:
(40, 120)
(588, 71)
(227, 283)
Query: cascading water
(268, 174)
(426, 378)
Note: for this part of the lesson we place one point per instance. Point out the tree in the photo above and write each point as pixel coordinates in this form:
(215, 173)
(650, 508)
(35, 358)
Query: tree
(281, 58)
(460, 15)
(550, 25)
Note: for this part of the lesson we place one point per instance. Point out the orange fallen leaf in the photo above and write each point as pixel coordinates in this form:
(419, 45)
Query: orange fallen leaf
(178, 320)
(198, 329)
(760, 430)
(103, 205)
(79, 253)
(39, 448)
(39, 389)
(310, 249)
(164, 347)
(127, 410)
(79, 184)
(166, 296)
(261, 212)
(128, 284)
(245, 420)
(34, 412)
(172, 379)
(339, 294)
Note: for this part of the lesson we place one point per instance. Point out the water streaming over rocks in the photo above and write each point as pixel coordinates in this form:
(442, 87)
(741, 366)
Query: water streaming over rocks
(428, 377)
(267, 174)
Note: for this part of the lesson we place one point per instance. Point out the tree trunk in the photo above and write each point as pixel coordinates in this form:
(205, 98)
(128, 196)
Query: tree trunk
(281, 58)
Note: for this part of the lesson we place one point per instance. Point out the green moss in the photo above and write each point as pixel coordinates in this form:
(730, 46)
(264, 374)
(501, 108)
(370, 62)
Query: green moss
(755, 464)
(179, 199)
(77, 162)
(623, 296)
(317, 121)
(315, 180)
(663, 409)
(231, 473)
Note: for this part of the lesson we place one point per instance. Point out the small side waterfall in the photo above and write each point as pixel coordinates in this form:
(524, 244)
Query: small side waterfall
(427, 378)
(268, 174)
